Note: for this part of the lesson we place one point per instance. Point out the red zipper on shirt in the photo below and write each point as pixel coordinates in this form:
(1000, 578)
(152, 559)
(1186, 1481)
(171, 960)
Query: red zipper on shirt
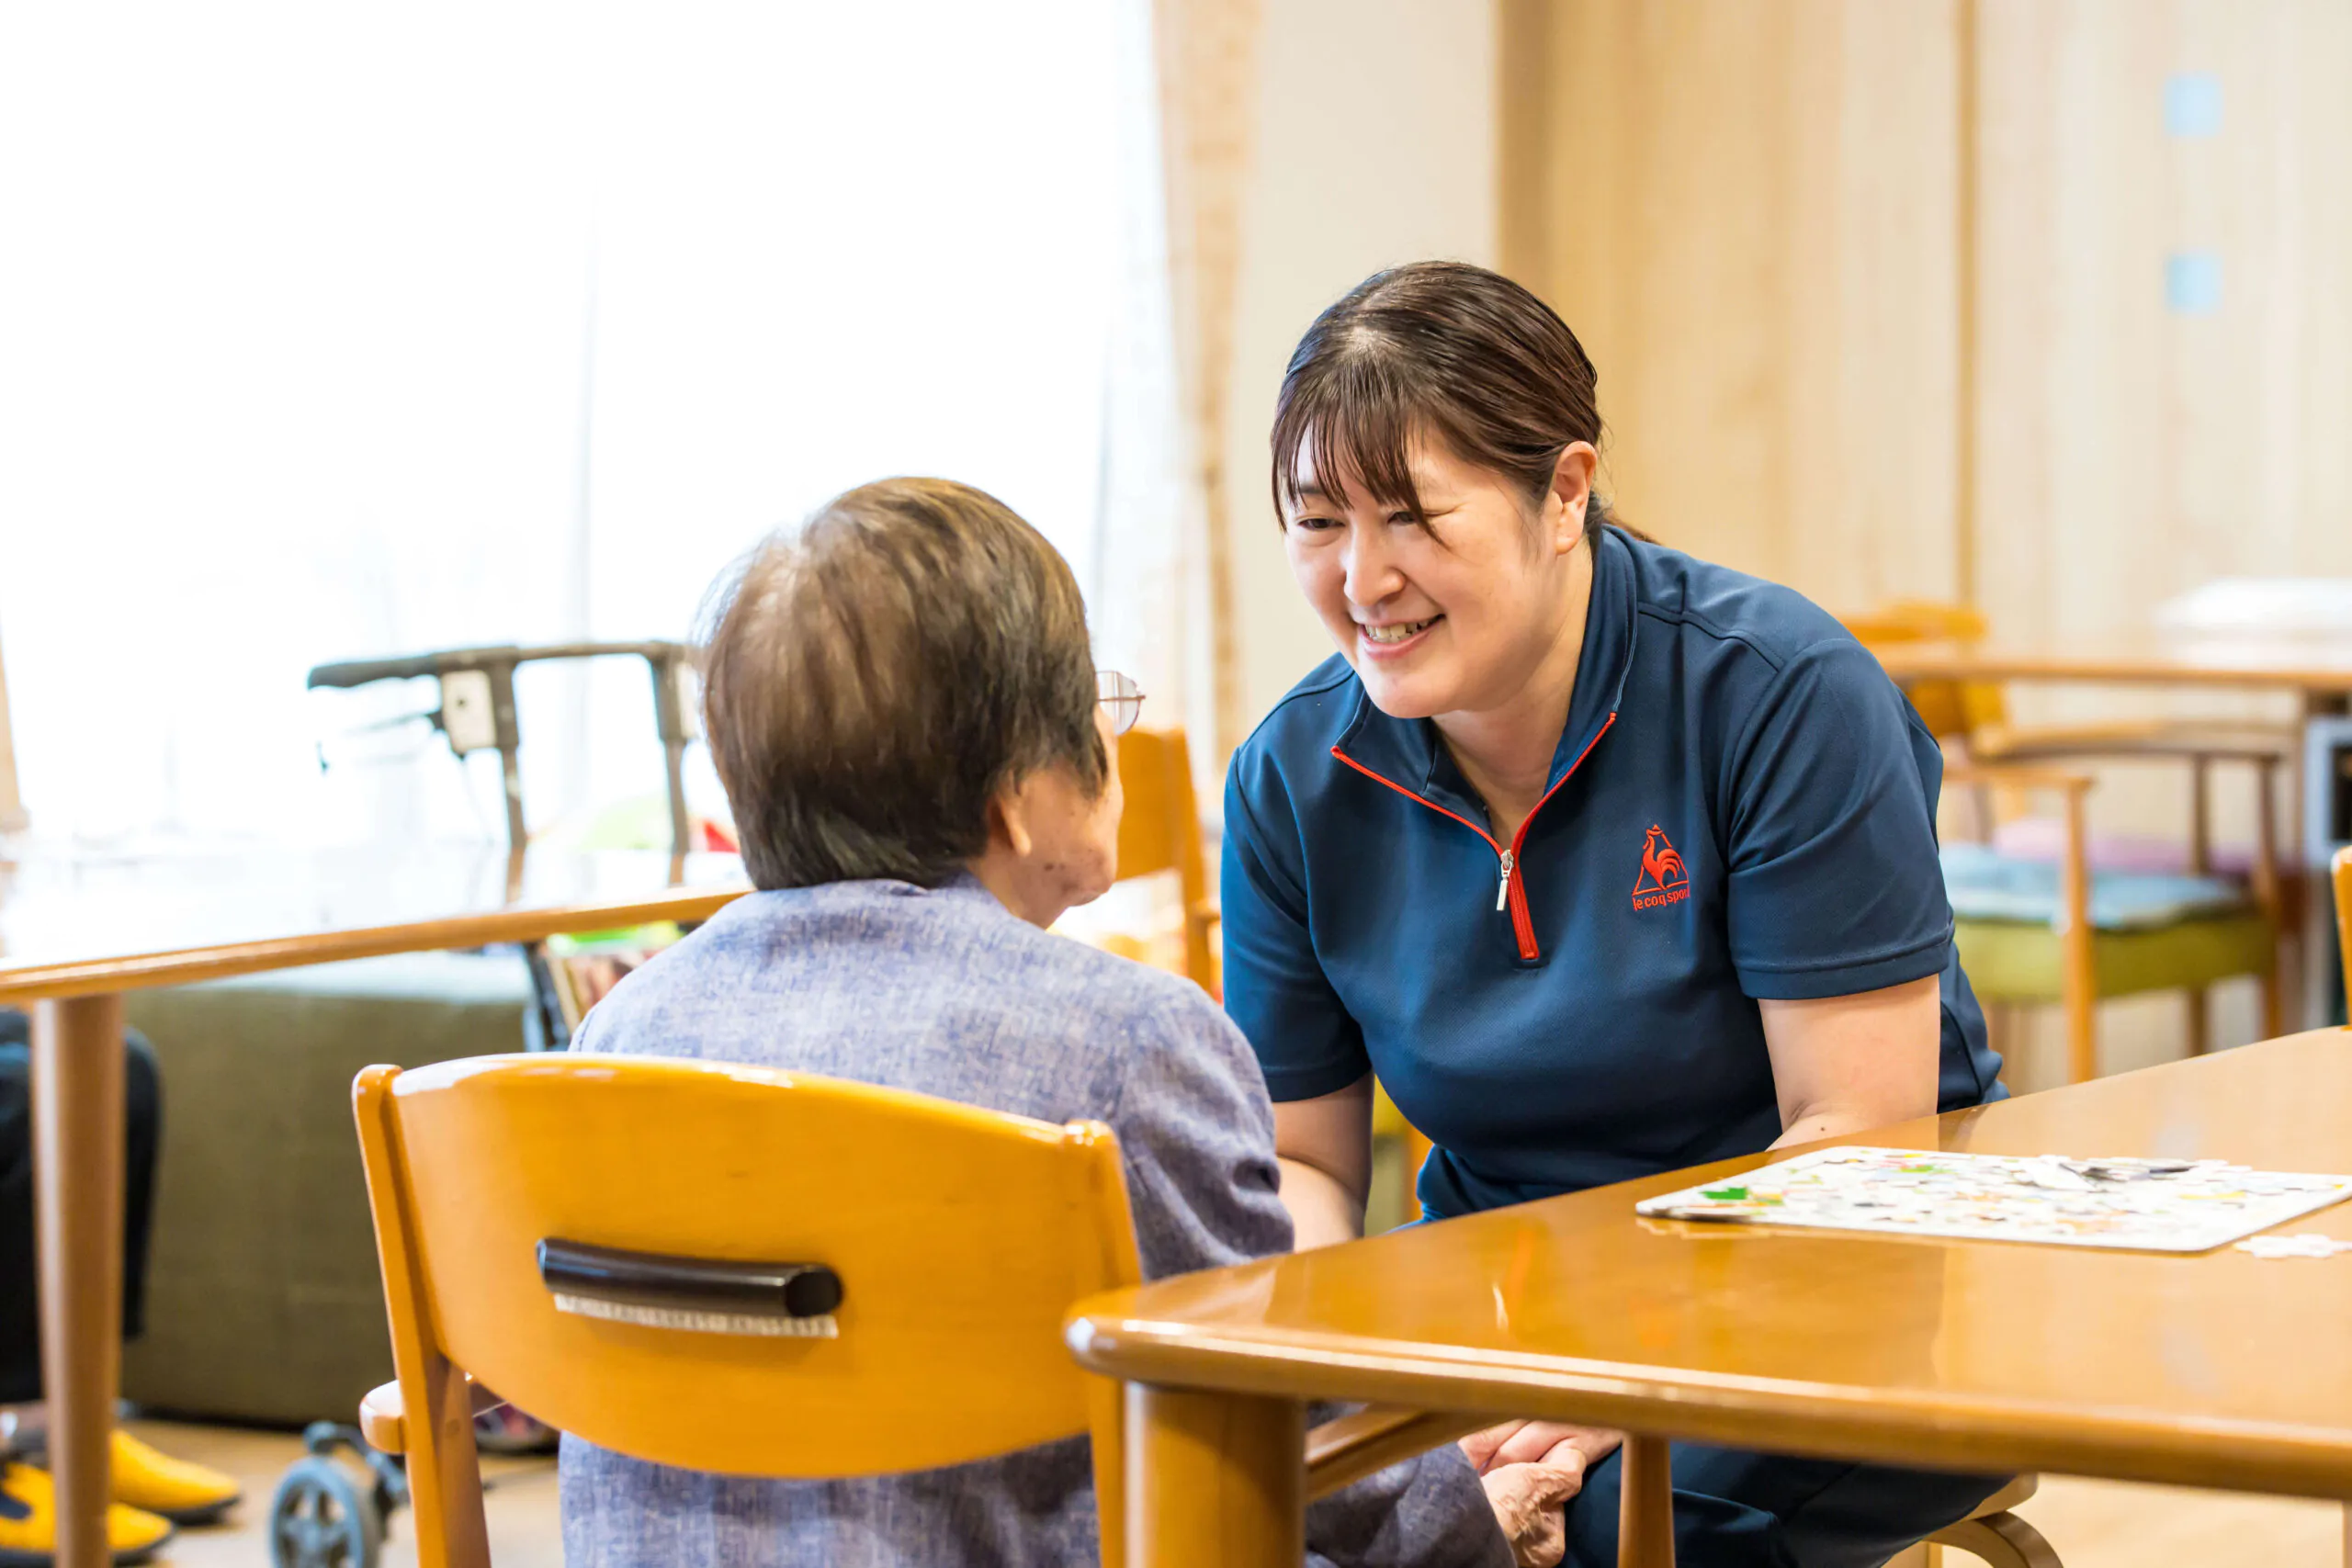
(1511, 890)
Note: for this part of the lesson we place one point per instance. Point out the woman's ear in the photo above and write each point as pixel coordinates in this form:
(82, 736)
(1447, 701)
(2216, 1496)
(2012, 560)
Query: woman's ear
(1572, 477)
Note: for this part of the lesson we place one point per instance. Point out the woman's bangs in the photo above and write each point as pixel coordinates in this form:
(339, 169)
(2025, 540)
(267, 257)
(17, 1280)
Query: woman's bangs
(1356, 431)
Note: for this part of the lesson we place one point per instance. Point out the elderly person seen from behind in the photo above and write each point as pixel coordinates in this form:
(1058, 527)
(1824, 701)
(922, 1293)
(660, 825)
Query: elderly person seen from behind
(906, 715)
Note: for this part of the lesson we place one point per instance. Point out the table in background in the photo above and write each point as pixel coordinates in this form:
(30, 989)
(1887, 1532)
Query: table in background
(2219, 1369)
(76, 931)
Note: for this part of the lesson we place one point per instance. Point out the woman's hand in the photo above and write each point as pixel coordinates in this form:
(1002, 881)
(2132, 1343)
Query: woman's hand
(1530, 1501)
(1540, 1442)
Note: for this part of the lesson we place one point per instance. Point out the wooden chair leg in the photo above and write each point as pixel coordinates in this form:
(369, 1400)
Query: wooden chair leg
(2078, 980)
(2003, 1541)
(2200, 1022)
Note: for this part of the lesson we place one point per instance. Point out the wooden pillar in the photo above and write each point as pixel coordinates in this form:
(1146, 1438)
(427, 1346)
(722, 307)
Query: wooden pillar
(77, 1095)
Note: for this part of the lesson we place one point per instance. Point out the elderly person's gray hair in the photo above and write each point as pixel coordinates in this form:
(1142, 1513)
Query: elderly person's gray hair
(871, 678)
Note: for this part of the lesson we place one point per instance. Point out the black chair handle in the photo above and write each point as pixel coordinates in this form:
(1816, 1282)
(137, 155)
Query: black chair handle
(688, 1284)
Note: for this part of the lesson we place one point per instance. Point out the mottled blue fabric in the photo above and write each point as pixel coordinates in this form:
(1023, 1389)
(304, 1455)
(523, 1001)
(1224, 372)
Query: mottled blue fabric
(946, 993)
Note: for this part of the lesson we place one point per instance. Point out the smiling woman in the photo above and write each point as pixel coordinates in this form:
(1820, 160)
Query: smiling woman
(1604, 859)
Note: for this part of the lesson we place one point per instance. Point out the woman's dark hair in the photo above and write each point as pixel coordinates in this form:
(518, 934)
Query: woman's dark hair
(872, 677)
(1439, 349)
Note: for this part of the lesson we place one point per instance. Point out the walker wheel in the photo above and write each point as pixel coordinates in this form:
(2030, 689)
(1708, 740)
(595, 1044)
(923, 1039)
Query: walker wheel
(321, 1518)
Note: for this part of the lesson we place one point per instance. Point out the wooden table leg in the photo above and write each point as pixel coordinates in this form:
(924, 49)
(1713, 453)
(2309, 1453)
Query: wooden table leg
(1645, 1507)
(1215, 1478)
(77, 1102)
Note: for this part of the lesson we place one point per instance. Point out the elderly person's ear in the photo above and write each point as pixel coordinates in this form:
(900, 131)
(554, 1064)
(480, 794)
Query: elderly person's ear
(1051, 843)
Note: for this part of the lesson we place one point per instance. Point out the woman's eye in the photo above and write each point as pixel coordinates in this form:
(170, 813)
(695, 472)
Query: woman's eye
(1313, 524)
(1404, 517)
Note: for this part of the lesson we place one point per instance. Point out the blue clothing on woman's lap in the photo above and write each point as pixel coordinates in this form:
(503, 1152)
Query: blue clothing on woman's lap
(946, 993)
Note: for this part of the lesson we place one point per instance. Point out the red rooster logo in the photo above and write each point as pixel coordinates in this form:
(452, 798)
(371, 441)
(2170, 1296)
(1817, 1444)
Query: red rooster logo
(1663, 880)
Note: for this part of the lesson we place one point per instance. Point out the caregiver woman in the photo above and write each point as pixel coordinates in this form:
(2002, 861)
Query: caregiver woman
(1606, 860)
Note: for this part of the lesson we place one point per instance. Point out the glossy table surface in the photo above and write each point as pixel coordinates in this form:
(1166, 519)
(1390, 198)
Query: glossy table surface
(2219, 1369)
(84, 923)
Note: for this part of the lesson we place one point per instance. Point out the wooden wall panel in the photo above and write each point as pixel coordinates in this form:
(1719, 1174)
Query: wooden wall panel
(2132, 452)
(1747, 211)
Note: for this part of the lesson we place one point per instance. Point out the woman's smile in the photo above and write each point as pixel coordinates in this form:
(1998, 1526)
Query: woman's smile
(1390, 640)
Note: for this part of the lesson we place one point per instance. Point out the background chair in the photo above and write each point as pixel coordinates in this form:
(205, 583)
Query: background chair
(608, 1242)
(1161, 831)
(2343, 870)
(2046, 913)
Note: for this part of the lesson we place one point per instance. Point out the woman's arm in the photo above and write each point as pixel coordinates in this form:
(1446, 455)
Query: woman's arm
(1324, 1146)
(1841, 1064)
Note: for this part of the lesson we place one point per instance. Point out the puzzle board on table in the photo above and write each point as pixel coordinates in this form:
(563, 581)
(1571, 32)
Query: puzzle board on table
(2144, 1205)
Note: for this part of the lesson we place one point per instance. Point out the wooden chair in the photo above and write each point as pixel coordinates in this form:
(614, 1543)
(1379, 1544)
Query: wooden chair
(1996, 1534)
(2342, 866)
(658, 1256)
(1160, 831)
(2076, 936)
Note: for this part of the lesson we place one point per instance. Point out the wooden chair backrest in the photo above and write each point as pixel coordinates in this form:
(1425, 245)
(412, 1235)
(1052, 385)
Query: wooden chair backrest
(1951, 709)
(960, 1236)
(2343, 864)
(1160, 831)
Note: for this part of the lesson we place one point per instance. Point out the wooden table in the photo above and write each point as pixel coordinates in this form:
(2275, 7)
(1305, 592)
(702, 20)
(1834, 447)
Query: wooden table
(77, 931)
(2219, 1370)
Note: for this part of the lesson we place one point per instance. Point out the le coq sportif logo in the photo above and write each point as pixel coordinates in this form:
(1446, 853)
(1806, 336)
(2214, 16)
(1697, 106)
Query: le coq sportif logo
(1663, 879)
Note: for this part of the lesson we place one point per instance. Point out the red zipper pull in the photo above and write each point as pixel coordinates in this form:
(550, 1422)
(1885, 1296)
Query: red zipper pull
(1502, 888)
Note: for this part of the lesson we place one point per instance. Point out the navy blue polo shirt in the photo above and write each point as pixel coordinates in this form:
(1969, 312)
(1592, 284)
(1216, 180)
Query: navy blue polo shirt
(1742, 806)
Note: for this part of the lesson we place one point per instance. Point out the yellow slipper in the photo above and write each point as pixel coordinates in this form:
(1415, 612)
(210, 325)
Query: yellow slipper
(28, 1523)
(183, 1493)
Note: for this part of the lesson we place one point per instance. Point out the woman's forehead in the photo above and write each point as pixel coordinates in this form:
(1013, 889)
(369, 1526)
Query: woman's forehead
(1340, 480)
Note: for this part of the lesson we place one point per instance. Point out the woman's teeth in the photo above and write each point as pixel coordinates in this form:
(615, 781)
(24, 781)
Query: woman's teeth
(1397, 631)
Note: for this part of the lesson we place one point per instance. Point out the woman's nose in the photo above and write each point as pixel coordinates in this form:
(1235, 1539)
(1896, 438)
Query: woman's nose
(1372, 576)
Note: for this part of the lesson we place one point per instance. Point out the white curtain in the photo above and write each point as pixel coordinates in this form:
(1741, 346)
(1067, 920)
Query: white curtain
(329, 331)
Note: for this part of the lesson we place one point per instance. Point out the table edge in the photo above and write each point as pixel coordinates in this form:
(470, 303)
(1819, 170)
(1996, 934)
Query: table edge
(1964, 1433)
(101, 976)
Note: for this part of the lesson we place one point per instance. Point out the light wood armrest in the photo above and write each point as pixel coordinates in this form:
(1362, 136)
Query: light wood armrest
(2220, 741)
(2029, 745)
(2008, 775)
(1342, 1452)
(383, 1419)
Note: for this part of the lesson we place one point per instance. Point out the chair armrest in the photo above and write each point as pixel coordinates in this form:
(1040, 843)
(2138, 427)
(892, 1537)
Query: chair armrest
(1342, 1452)
(383, 1418)
(2168, 740)
(2008, 775)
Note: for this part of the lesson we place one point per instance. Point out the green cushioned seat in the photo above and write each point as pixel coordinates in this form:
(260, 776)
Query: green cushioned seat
(2013, 961)
(263, 1298)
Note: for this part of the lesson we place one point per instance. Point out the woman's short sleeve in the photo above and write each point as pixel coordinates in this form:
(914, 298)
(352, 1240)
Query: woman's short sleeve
(1307, 1043)
(1835, 885)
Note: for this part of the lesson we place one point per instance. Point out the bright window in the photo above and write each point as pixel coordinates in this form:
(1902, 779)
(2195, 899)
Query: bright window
(333, 332)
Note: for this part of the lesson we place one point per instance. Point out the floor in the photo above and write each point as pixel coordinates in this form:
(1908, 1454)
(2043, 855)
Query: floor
(2092, 1523)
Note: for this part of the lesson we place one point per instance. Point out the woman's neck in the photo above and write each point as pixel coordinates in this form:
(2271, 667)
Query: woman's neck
(1505, 751)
